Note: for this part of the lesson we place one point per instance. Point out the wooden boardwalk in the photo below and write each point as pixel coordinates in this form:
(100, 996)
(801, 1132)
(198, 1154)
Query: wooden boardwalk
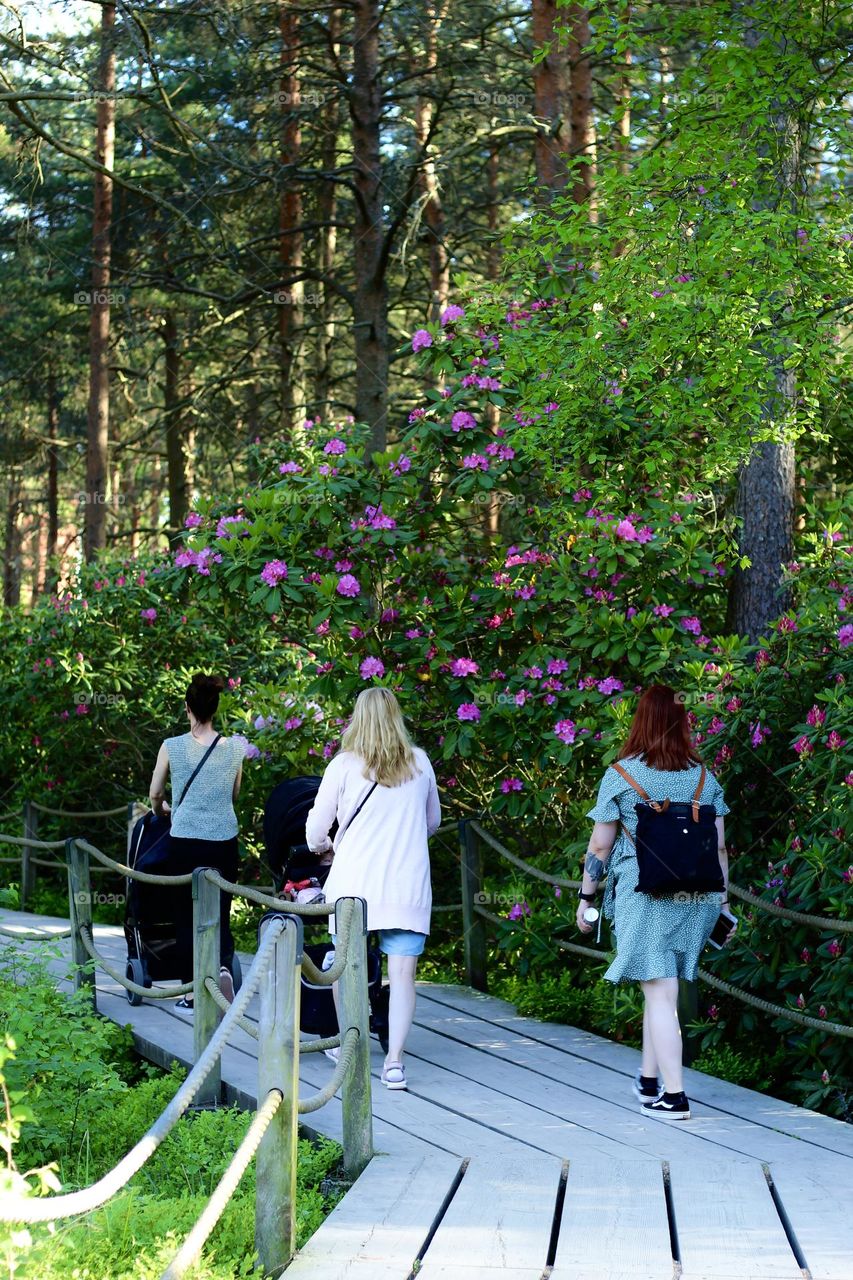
(519, 1153)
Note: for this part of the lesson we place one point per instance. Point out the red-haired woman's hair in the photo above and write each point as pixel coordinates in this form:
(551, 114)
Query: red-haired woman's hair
(659, 731)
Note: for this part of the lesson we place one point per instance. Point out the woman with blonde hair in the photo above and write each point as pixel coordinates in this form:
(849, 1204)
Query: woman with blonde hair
(382, 791)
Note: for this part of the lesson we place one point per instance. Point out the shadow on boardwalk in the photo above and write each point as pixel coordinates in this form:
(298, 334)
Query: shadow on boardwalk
(519, 1152)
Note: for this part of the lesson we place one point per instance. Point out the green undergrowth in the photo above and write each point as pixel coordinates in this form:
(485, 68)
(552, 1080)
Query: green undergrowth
(79, 1098)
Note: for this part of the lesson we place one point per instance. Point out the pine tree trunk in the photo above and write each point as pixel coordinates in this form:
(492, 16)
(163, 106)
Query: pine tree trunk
(582, 119)
(327, 208)
(99, 325)
(12, 547)
(766, 492)
(371, 289)
(291, 294)
(551, 103)
(176, 458)
(52, 544)
(433, 211)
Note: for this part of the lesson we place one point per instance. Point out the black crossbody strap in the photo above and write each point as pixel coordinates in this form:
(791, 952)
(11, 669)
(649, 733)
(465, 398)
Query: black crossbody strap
(197, 770)
(355, 815)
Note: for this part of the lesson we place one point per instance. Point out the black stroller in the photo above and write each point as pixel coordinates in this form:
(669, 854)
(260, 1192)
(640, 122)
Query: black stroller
(152, 910)
(291, 861)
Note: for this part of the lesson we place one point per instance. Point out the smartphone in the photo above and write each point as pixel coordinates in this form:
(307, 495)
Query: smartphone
(724, 927)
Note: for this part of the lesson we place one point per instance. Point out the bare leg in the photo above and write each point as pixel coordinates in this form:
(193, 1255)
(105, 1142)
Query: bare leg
(665, 1033)
(401, 1005)
(649, 1066)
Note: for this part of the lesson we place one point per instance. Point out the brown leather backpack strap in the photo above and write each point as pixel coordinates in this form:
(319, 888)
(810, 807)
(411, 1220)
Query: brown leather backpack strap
(697, 793)
(628, 834)
(626, 775)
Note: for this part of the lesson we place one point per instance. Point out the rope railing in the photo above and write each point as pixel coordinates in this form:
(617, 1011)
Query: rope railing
(51, 1208)
(225, 1188)
(318, 1100)
(475, 943)
(72, 813)
(825, 923)
(149, 993)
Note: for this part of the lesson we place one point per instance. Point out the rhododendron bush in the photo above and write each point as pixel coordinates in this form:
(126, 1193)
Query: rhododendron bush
(516, 621)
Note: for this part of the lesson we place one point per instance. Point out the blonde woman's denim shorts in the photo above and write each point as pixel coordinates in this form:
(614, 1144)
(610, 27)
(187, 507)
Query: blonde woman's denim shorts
(398, 942)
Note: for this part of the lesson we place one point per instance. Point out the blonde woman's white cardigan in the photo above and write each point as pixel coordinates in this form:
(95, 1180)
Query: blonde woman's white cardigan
(382, 855)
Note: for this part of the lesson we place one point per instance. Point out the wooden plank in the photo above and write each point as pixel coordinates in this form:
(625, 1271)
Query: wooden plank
(618, 1115)
(614, 1220)
(382, 1221)
(818, 1208)
(546, 1112)
(758, 1108)
(727, 1223)
(500, 1218)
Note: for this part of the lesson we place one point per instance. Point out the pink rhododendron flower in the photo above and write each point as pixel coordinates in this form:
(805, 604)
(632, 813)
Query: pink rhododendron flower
(610, 685)
(348, 585)
(464, 667)
(273, 572)
(805, 955)
(474, 461)
(662, 610)
(335, 446)
(835, 741)
(193, 520)
(759, 734)
(787, 624)
(372, 667)
(566, 731)
(401, 465)
(626, 530)
(450, 313)
(803, 747)
(845, 635)
(692, 625)
(511, 784)
(322, 628)
(293, 722)
(816, 716)
(289, 468)
(468, 711)
(414, 633)
(762, 660)
(421, 338)
(716, 726)
(518, 910)
(835, 948)
(149, 615)
(557, 666)
(462, 420)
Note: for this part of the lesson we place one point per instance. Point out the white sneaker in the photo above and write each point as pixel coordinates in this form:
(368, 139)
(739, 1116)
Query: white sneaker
(394, 1076)
(334, 1054)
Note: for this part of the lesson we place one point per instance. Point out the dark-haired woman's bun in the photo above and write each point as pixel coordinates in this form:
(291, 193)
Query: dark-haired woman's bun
(203, 696)
(202, 681)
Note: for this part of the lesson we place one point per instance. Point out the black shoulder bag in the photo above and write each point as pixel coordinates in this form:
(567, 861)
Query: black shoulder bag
(676, 843)
(342, 831)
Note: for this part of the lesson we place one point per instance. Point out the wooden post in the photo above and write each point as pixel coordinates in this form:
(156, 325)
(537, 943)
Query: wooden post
(278, 1068)
(80, 913)
(354, 1005)
(473, 925)
(688, 1011)
(28, 868)
(206, 1013)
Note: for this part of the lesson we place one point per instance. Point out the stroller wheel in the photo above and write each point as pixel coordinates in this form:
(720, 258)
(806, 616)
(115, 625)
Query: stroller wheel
(135, 973)
(236, 972)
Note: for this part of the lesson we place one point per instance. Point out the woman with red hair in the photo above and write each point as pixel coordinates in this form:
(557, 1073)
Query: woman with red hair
(658, 939)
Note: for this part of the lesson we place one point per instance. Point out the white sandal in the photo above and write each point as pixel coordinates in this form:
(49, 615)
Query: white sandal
(394, 1076)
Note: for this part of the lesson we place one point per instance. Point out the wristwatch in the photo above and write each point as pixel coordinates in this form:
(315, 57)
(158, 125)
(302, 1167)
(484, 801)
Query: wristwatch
(587, 897)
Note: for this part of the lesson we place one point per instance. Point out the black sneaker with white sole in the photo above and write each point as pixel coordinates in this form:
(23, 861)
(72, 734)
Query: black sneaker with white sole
(669, 1106)
(646, 1088)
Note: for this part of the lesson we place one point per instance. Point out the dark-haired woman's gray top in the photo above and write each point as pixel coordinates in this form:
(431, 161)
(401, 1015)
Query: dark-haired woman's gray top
(207, 813)
(655, 937)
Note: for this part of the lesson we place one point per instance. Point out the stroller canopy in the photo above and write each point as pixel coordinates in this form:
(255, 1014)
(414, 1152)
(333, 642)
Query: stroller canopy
(284, 819)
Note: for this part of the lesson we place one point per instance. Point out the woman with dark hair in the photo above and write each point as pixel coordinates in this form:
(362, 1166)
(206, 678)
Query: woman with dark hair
(658, 939)
(204, 824)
